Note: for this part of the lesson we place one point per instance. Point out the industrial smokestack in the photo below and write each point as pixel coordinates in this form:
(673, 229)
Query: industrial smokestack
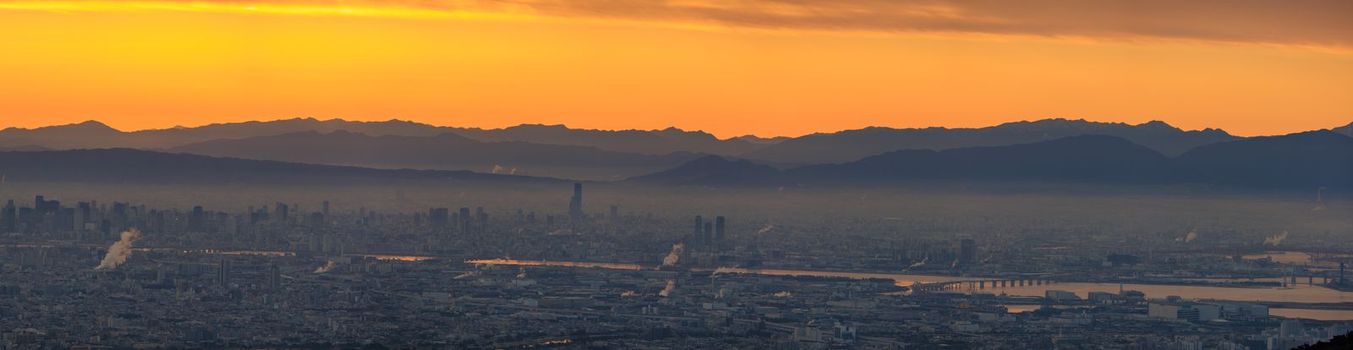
(119, 251)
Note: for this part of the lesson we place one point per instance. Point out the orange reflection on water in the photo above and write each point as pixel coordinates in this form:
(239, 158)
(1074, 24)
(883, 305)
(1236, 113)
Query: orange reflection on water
(512, 262)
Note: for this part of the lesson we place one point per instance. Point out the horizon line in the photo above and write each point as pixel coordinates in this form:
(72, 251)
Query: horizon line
(670, 127)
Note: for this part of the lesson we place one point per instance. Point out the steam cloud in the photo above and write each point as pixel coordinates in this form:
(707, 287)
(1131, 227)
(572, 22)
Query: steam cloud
(467, 274)
(120, 250)
(1275, 240)
(328, 266)
(675, 256)
(919, 264)
(667, 291)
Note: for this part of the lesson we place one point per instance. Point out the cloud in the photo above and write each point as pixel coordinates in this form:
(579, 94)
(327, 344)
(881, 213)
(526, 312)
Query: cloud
(1293, 22)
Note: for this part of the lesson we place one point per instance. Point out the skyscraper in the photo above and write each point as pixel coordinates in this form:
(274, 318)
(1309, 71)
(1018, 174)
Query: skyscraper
(464, 216)
(698, 235)
(283, 211)
(575, 205)
(274, 278)
(718, 229)
(967, 251)
(196, 219)
(9, 217)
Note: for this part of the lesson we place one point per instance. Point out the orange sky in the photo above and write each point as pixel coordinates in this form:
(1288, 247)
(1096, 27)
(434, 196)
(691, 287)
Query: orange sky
(734, 67)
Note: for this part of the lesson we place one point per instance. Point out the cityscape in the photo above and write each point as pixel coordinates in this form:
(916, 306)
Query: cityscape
(676, 174)
(284, 275)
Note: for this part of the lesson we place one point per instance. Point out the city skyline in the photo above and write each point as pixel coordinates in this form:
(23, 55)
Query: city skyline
(676, 174)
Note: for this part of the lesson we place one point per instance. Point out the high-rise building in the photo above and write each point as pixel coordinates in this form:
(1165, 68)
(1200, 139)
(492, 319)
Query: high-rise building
(464, 219)
(223, 274)
(196, 219)
(575, 205)
(967, 251)
(282, 212)
(718, 229)
(698, 235)
(9, 217)
(274, 278)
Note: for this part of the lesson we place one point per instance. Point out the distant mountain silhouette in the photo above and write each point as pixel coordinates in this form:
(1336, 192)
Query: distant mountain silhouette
(447, 151)
(1091, 158)
(851, 145)
(1304, 161)
(136, 166)
(92, 134)
(654, 142)
(29, 148)
(1346, 130)
(715, 171)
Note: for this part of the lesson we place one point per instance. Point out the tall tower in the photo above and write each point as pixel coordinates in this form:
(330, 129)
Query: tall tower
(967, 251)
(575, 205)
(274, 278)
(223, 274)
(718, 228)
(698, 235)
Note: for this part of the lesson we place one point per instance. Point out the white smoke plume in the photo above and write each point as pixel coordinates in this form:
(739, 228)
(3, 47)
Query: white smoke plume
(467, 274)
(667, 291)
(919, 264)
(1190, 237)
(629, 294)
(675, 256)
(1275, 240)
(783, 294)
(765, 230)
(499, 169)
(120, 250)
(328, 266)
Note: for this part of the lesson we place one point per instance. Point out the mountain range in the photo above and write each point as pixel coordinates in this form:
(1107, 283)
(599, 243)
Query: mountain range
(851, 145)
(120, 165)
(447, 151)
(1043, 150)
(1303, 161)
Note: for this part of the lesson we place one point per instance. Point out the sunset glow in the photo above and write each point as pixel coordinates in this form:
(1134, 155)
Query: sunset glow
(730, 68)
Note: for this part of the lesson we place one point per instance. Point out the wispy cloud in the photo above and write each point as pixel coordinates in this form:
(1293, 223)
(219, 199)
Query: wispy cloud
(1292, 22)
